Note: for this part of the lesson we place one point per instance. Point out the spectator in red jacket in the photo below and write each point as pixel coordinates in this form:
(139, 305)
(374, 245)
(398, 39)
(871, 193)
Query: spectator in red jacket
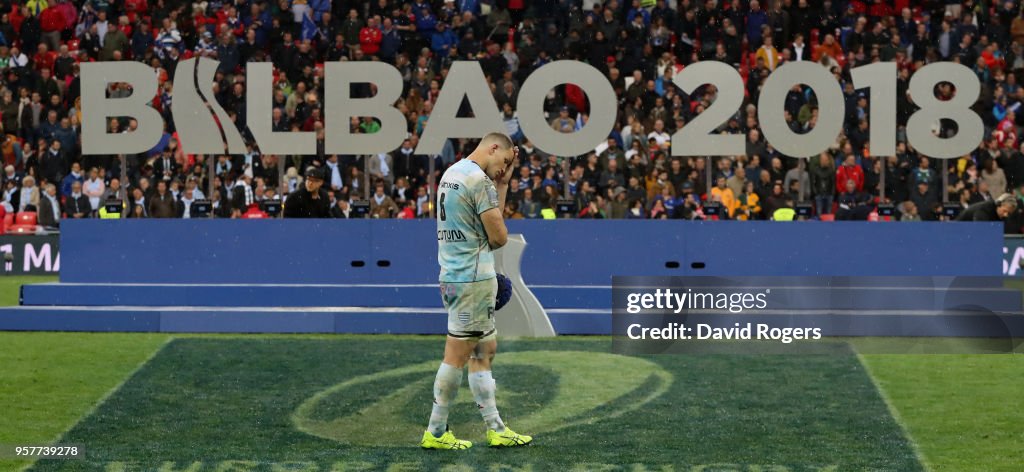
(136, 6)
(44, 58)
(51, 22)
(1006, 130)
(850, 171)
(370, 38)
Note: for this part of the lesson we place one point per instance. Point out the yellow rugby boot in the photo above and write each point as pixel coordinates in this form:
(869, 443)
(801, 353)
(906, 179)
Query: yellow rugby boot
(446, 441)
(507, 438)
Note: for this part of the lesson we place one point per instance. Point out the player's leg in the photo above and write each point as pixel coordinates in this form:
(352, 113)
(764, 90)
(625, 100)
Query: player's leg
(446, 388)
(458, 347)
(458, 352)
(447, 382)
(481, 382)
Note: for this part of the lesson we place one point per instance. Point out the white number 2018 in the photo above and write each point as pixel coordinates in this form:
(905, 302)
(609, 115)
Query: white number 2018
(696, 138)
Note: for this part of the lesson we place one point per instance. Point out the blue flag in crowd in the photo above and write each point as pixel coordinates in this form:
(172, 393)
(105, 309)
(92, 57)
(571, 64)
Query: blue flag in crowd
(309, 29)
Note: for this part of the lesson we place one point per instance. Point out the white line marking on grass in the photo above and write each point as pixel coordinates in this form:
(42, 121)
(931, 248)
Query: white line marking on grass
(105, 397)
(895, 415)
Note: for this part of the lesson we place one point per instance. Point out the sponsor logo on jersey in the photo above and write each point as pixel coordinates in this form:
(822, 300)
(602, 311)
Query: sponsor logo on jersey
(450, 235)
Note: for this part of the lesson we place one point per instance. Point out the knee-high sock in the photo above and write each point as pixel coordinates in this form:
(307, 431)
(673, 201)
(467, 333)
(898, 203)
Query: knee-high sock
(446, 387)
(483, 387)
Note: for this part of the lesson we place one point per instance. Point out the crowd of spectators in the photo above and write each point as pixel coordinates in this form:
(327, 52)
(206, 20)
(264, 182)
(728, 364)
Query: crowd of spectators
(638, 44)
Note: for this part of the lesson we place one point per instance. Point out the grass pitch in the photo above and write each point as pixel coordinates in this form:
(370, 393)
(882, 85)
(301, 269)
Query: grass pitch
(318, 404)
(299, 402)
(965, 412)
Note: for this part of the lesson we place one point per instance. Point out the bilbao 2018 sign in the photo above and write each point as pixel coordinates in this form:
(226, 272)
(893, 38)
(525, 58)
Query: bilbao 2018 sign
(465, 79)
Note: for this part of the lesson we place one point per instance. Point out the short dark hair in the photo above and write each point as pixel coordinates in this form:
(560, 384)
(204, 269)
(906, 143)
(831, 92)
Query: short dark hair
(499, 138)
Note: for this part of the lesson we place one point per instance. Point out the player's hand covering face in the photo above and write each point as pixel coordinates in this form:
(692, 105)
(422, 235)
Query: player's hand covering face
(509, 159)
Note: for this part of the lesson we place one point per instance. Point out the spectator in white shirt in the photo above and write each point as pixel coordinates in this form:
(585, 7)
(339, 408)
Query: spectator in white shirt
(334, 173)
(28, 194)
(380, 169)
(659, 134)
(94, 188)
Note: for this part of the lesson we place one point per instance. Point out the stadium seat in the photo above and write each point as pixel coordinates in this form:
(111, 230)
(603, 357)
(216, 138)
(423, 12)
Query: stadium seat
(23, 223)
(22, 229)
(828, 217)
(254, 212)
(26, 218)
(8, 221)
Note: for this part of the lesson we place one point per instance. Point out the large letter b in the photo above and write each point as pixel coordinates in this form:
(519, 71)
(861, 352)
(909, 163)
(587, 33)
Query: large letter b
(97, 108)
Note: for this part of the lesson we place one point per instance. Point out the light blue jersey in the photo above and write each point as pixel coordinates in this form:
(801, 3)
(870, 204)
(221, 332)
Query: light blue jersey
(463, 250)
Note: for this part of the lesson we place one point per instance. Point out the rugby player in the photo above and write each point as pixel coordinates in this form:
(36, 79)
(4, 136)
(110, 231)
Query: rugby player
(470, 200)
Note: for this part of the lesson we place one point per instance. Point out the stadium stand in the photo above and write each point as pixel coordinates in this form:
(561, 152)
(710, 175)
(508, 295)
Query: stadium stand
(638, 45)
